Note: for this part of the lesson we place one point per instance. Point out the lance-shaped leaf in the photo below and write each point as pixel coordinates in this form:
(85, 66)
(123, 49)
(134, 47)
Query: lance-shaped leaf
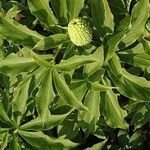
(20, 97)
(41, 10)
(75, 62)
(74, 7)
(140, 15)
(44, 123)
(97, 146)
(89, 119)
(40, 61)
(60, 9)
(14, 64)
(2, 53)
(65, 93)
(139, 59)
(93, 67)
(3, 115)
(95, 86)
(40, 140)
(112, 112)
(19, 34)
(79, 88)
(4, 140)
(51, 41)
(132, 86)
(2, 130)
(141, 117)
(15, 143)
(113, 43)
(70, 127)
(45, 94)
(102, 16)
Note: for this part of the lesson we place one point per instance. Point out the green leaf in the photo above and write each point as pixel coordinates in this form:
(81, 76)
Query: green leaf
(46, 123)
(102, 16)
(65, 93)
(75, 62)
(97, 146)
(40, 141)
(132, 86)
(70, 127)
(141, 117)
(14, 64)
(93, 67)
(45, 94)
(41, 10)
(2, 130)
(15, 143)
(74, 7)
(40, 61)
(89, 119)
(79, 88)
(61, 11)
(4, 141)
(52, 41)
(19, 34)
(20, 97)
(139, 59)
(113, 43)
(3, 115)
(136, 141)
(95, 86)
(2, 53)
(139, 16)
(112, 112)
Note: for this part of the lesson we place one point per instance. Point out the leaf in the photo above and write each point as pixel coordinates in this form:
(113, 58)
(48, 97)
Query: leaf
(4, 116)
(39, 60)
(75, 62)
(4, 141)
(113, 43)
(89, 119)
(61, 11)
(20, 97)
(131, 86)
(15, 143)
(141, 117)
(2, 53)
(93, 67)
(79, 88)
(97, 146)
(102, 16)
(140, 16)
(74, 7)
(41, 10)
(14, 64)
(46, 123)
(52, 41)
(3, 130)
(112, 112)
(19, 34)
(45, 94)
(137, 140)
(95, 86)
(70, 127)
(65, 93)
(40, 141)
(139, 59)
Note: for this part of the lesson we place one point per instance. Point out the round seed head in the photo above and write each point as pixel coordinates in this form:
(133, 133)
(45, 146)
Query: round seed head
(80, 31)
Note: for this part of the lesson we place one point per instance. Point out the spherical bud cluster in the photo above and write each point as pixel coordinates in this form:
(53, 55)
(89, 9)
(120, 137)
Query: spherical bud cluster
(80, 31)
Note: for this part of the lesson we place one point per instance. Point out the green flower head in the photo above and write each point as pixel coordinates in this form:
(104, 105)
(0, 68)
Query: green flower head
(80, 31)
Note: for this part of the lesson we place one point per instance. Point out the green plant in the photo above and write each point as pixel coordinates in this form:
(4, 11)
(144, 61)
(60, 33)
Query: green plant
(58, 92)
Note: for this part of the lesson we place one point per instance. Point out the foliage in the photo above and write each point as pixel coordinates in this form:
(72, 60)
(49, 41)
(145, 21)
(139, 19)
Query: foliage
(55, 95)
